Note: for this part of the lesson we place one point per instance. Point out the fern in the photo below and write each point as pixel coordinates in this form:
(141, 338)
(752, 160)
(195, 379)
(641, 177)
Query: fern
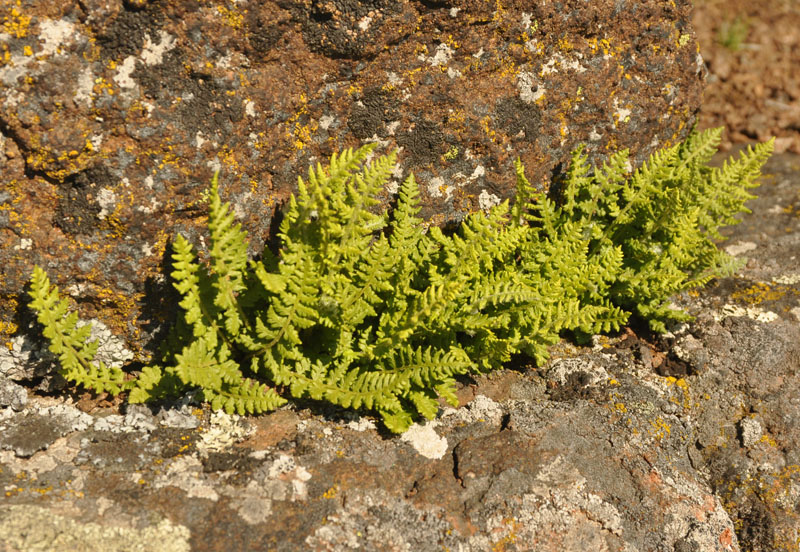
(69, 341)
(664, 220)
(370, 311)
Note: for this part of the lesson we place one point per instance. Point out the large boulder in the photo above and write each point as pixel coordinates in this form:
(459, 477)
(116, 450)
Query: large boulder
(116, 113)
(686, 443)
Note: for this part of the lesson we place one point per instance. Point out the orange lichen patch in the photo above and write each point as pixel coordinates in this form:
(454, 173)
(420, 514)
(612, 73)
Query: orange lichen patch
(15, 22)
(661, 430)
(681, 384)
(491, 133)
(512, 536)
(102, 85)
(601, 45)
(499, 12)
(564, 44)
(14, 217)
(231, 15)
(8, 328)
(228, 158)
(774, 490)
(59, 166)
(761, 292)
(508, 68)
(298, 133)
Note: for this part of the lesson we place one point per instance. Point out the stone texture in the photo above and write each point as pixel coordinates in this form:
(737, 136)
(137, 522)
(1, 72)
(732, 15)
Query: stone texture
(686, 442)
(116, 113)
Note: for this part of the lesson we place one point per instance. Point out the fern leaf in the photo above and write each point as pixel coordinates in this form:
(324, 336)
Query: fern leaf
(246, 397)
(229, 259)
(69, 341)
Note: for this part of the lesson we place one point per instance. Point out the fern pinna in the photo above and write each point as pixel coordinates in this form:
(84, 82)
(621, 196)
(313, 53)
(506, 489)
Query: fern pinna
(373, 312)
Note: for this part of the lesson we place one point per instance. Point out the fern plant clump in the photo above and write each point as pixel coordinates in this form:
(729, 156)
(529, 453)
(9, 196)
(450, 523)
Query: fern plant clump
(368, 310)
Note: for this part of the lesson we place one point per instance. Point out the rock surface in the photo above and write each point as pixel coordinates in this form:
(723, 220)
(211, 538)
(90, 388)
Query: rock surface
(115, 114)
(681, 443)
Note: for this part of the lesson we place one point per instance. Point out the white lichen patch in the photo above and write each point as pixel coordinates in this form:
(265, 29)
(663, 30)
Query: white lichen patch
(437, 188)
(479, 409)
(442, 56)
(15, 68)
(573, 65)
(124, 71)
(789, 279)
(698, 60)
(478, 172)
(96, 140)
(68, 416)
(250, 108)
(152, 53)
(362, 424)
(254, 510)
(54, 33)
(393, 79)
(225, 430)
(107, 200)
(21, 528)
(286, 468)
(754, 313)
(425, 440)
(238, 207)
(487, 200)
(559, 503)
(529, 90)
(111, 350)
(526, 20)
(62, 451)
(621, 114)
(148, 209)
(740, 247)
(562, 368)
(364, 22)
(214, 164)
(186, 473)
(24, 244)
(751, 431)
(549, 67)
(326, 121)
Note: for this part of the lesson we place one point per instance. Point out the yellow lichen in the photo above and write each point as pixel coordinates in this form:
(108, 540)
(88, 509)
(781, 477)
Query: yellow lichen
(661, 429)
(486, 129)
(16, 23)
(301, 134)
(231, 16)
(761, 292)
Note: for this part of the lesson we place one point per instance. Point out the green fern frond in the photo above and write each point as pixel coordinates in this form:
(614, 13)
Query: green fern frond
(245, 397)
(68, 341)
(229, 259)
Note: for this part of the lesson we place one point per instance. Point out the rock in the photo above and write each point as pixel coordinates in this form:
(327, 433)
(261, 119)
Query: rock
(594, 451)
(115, 114)
(12, 395)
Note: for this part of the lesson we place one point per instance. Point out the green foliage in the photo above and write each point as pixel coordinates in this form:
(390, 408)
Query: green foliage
(373, 312)
(663, 219)
(68, 340)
